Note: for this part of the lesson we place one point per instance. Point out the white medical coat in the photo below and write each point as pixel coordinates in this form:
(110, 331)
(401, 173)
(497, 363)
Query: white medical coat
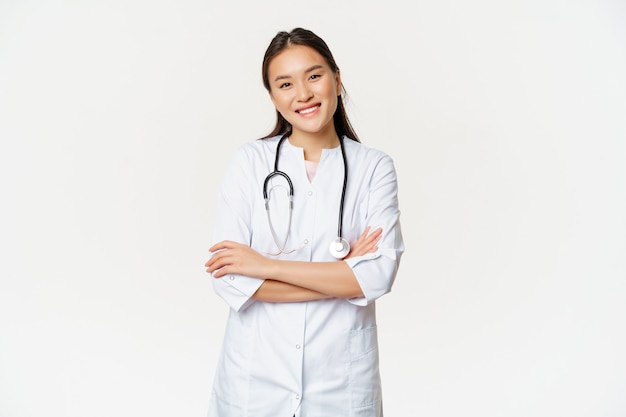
(316, 358)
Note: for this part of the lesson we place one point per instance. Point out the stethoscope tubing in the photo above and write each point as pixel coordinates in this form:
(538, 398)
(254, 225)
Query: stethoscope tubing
(343, 189)
(339, 241)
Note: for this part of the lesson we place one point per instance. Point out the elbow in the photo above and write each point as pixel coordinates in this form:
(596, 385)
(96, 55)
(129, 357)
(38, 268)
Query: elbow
(353, 292)
(376, 277)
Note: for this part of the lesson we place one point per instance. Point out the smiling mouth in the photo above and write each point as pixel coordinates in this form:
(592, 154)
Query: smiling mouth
(308, 110)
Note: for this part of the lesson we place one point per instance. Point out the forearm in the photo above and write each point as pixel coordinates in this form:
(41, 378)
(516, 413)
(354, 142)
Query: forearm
(281, 292)
(334, 279)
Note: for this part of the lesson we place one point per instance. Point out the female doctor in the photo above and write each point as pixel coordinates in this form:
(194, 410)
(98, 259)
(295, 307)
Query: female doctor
(306, 238)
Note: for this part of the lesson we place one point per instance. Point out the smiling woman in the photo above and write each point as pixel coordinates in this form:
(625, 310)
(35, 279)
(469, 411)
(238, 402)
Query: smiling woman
(301, 336)
(305, 90)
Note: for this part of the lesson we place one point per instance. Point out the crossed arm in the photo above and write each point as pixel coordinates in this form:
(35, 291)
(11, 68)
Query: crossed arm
(290, 281)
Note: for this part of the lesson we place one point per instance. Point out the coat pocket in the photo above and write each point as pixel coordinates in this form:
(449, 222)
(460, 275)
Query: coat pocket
(364, 374)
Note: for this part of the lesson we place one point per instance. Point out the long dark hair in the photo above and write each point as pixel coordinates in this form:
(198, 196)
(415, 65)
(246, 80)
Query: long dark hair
(299, 36)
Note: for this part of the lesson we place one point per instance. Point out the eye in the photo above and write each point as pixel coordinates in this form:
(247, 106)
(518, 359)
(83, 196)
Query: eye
(315, 76)
(284, 85)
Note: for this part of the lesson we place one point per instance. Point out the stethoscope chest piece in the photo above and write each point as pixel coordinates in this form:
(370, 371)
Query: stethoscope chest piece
(339, 248)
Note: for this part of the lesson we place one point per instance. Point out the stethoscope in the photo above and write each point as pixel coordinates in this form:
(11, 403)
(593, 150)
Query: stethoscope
(339, 247)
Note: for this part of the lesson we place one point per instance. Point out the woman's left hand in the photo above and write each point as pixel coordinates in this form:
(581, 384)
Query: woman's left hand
(235, 258)
(366, 243)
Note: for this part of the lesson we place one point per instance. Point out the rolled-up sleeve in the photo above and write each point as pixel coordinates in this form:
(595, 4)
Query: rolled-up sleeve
(232, 222)
(376, 272)
(236, 290)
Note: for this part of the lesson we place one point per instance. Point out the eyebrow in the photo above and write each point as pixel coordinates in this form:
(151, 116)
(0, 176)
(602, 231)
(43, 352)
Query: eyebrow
(308, 70)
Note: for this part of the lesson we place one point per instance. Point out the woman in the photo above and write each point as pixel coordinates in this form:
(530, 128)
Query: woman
(301, 333)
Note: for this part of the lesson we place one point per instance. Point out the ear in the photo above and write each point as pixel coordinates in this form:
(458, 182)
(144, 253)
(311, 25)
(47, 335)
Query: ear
(338, 81)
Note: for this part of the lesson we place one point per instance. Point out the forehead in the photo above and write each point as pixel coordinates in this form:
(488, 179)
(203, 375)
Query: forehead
(293, 60)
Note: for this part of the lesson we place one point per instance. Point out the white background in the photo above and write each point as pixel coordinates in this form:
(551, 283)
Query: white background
(507, 123)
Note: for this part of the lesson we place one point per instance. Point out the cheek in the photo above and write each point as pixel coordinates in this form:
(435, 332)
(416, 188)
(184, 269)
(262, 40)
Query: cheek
(330, 90)
(332, 94)
(283, 106)
(281, 101)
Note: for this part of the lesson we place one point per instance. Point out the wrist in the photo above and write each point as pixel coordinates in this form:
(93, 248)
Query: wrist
(271, 270)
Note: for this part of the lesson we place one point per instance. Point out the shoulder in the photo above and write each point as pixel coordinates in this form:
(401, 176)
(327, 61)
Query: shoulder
(257, 145)
(255, 150)
(365, 154)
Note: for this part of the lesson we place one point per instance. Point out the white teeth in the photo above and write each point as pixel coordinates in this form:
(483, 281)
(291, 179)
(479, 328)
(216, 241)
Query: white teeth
(309, 110)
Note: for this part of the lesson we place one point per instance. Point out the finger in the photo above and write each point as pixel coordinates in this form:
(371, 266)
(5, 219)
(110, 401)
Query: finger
(214, 259)
(224, 244)
(371, 238)
(377, 232)
(220, 260)
(374, 236)
(220, 272)
(362, 238)
(217, 269)
(368, 237)
(365, 232)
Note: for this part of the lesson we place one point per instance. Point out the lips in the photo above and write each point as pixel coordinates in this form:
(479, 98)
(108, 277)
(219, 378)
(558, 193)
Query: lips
(308, 110)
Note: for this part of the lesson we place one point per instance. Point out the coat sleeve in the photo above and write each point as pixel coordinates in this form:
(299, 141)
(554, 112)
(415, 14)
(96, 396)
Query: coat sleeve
(376, 272)
(232, 222)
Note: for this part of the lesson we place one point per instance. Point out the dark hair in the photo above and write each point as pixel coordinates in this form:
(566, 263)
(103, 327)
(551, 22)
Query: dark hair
(299, 36)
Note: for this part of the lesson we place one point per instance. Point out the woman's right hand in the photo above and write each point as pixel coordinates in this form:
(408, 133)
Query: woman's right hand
(366, 243)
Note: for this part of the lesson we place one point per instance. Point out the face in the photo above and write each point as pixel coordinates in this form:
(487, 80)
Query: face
(304, 90)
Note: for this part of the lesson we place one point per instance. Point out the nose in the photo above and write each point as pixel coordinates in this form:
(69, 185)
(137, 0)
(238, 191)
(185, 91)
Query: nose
(303, 93)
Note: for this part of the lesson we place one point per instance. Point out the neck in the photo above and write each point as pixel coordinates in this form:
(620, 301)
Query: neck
(313, 143)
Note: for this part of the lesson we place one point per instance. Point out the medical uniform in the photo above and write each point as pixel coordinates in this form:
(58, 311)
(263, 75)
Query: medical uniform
(316, 358)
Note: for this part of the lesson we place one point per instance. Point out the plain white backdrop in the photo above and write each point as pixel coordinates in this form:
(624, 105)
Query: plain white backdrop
(506, 121)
